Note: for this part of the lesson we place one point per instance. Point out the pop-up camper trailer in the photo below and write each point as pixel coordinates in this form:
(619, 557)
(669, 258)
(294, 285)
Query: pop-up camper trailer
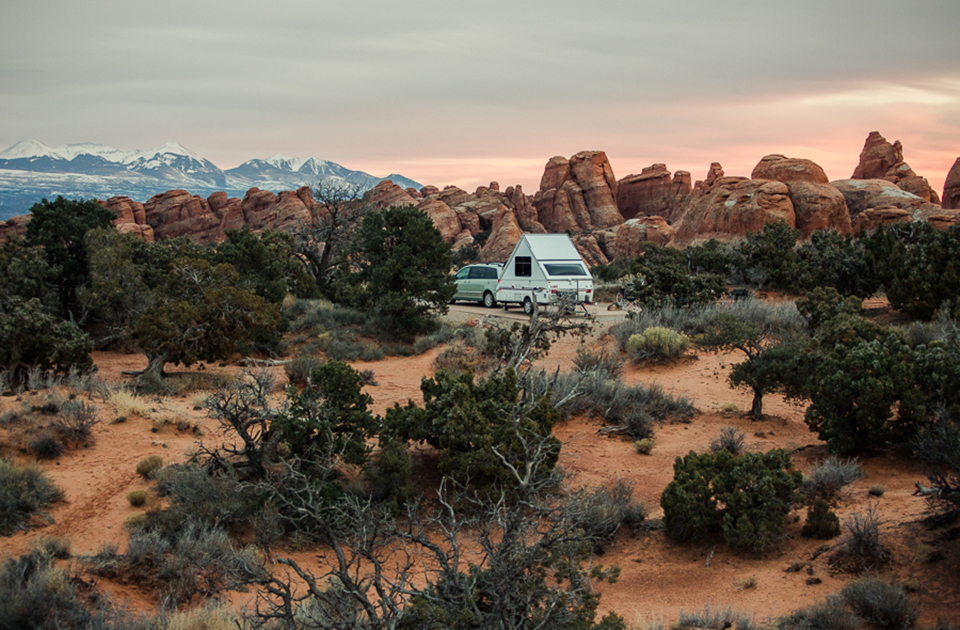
(542, 267)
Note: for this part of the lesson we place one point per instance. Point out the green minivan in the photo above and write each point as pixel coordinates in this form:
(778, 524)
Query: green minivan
(478, 283)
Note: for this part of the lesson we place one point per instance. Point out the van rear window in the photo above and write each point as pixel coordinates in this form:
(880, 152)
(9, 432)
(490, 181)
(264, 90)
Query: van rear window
(564, 269)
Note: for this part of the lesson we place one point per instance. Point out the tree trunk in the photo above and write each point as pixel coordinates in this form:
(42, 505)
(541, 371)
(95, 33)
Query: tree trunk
(757, 410)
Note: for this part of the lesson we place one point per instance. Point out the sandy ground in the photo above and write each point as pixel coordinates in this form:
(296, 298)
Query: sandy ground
(658, 579)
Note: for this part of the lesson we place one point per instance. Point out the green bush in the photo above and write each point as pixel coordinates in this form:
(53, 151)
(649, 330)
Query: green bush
(863, 538)
(605, 511)
(24, 491)
(475, 423)
(137, 498)
(822, 522)
(148, 465)
(299, 369)
(657, 344)
(747, 498)
(389, 475)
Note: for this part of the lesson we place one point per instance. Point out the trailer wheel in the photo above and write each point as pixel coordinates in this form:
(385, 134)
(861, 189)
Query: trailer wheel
(527, 306)
(488, 300)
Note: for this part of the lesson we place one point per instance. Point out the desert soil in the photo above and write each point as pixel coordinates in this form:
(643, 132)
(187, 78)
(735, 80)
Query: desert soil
(658, 580)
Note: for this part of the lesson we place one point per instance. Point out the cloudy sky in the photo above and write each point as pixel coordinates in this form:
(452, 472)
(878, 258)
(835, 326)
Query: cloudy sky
(456, 92)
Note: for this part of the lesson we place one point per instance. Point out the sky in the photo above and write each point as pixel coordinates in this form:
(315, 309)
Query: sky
(465, 93)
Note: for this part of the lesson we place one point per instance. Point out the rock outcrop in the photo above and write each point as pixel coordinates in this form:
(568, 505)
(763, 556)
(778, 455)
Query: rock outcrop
(578, 194)
(818, 207)
(505, 233)
(654, 192)
(131, 216)
(724, 207)
(816, 204)
(784, 169)
(864, 194)
(386, 194)
(881, 160)
(951, 188)
(635, 232)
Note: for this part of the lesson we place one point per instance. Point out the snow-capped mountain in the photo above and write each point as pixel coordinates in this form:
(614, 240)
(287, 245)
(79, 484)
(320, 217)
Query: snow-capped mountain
(31, 170)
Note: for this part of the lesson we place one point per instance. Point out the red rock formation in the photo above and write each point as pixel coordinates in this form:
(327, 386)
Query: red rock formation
(590, 250)
(444, 219)
(426, 191)
(178, 213)
(818, 207)
(735, 206)
(578, 194)
(873, 218)
(386, 194)
(951, 188)
(877, 157)
(654, 192)
(882, 160)
(453, 196)
(635, 232)
(784, 169)
(524, 209)
(864, 194)
(131, 216)
(504, 236)
(14, 225)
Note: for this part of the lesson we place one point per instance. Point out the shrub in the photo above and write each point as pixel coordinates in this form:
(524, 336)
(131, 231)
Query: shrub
(644, 446)
(603, 362)
(604, 511)
(863, 538)
(299, 369)
(746, 497)
(714, 619)
(46, 446)
(822, 522)
(36, 594)
(216, 501)
(829, 614)
(828, 477)
(880, 603)
(389, 474)
(76, 420)
(24, 491)
(657, 344)
(730, 440)
(128, 403)
(148, 465)
(137, 498)
(876, 490)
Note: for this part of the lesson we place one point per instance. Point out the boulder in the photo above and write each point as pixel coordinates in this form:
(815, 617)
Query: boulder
(864, 194)
(784, 169)
(951, 188)
(877, 157)
(873, 218)
(592, 172)
(426, 191)
(142, 230)
(504, 236)
(127, 210)
(453, 196)
(903, 176)
(818, 207)
(735, 206)
(635, 232)
(653, 192)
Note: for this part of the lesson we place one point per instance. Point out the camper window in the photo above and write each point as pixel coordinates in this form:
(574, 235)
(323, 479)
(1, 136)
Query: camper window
(522, 267)
(564, 269)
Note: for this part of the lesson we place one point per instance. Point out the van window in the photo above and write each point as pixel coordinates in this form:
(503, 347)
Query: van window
(522, 267)
(477, 272)
(491, 273)
(564, 269)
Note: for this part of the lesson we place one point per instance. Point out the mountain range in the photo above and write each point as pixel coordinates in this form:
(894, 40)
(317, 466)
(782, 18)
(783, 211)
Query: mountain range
(31, 170)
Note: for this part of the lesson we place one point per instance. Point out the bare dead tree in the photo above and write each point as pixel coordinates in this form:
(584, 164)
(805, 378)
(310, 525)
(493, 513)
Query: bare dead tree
(244, 412)
(520, 561)
(323, 243)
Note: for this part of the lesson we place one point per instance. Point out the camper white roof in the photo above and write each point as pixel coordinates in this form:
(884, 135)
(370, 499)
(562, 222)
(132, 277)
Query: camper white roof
(552, 247)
